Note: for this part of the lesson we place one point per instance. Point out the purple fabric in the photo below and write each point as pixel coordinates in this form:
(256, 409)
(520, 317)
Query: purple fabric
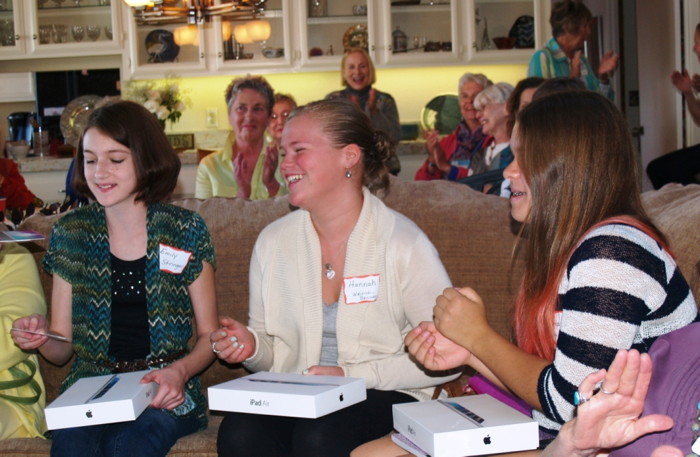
(481, 385)
(674, 391)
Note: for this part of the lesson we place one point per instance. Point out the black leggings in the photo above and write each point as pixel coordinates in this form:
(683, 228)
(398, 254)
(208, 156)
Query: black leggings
(682, 166)
(335, 434)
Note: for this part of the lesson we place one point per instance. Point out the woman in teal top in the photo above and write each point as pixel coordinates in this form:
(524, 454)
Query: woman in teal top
(563, 53)
(130, 274)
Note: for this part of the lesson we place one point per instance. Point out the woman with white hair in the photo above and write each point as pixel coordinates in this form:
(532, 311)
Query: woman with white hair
(449, 157)
(486, 164)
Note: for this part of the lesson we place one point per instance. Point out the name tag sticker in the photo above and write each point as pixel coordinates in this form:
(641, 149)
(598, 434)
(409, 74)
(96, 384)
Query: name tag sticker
(361, 289)
(173, 260)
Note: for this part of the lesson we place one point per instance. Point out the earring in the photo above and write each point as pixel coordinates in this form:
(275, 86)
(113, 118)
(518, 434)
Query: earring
(348, 174)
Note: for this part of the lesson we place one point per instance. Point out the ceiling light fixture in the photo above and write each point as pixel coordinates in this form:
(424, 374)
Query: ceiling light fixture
(194, 11)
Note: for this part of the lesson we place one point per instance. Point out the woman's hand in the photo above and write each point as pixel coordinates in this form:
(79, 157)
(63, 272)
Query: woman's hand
(269, 170)
(460, 315)
(243, 176)
(682, 81)
(432, 350)
(321, 370)
(233, 342)
(171, 386)
(611, 419)
(372, 101)
(575, 70)
(608, 63)
(34, 323)
(436, 154)
(696, 82)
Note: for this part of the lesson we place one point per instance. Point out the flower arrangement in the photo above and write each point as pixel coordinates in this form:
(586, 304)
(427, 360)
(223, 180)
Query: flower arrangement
(164, 99)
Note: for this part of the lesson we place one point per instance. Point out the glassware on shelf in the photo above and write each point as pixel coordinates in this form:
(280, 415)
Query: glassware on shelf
(59, 33)
(7, 32)
(78, 32)
(318, 8)
(108, 32)
(58, 2)
(45, 31)
(484, 41)
(93, 31)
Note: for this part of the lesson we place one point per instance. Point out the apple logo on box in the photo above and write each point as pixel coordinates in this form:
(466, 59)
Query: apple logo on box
(487, 439)
(341, 397)
(88, 414)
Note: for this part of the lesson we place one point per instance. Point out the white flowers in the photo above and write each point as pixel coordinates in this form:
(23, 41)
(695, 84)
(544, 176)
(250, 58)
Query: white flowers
(164, 101)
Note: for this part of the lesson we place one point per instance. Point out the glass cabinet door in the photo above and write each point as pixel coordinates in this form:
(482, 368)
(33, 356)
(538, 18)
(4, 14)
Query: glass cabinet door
(11, 42)
(155, 51)
(72, 27)
(505, 29)
(273, 52)
(422, 32)
(332, 26)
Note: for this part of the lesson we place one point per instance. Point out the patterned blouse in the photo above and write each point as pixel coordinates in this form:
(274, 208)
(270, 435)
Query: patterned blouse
(79, 253)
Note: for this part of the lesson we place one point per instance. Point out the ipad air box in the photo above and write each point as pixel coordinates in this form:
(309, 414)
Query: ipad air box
(101, 400)
(465, 426)
(287, 394)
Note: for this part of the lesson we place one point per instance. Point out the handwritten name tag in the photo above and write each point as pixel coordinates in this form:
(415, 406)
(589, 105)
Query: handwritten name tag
(173, 260)
(361, 289)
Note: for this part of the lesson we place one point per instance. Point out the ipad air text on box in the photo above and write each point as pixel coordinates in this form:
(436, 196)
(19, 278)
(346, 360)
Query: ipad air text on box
(465, 426)
(287, 394)
(101, 400)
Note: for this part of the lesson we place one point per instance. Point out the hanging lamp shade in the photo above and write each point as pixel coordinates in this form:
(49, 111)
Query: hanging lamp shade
(240, 32)
(187, 34)
(258, 30)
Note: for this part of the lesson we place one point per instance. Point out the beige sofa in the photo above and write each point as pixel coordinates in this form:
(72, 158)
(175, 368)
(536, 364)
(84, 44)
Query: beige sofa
(471, 231)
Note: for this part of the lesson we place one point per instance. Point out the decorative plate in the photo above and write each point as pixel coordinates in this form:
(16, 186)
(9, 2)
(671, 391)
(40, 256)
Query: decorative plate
(75, 116)
(161, 46)
(441, 113)
(356, 37)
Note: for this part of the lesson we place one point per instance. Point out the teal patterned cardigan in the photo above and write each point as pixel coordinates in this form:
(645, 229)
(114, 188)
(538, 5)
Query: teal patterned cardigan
(79, 253)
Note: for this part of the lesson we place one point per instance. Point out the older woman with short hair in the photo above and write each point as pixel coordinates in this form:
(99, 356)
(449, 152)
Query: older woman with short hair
(563, 53)
(448, 158)
(242, 169)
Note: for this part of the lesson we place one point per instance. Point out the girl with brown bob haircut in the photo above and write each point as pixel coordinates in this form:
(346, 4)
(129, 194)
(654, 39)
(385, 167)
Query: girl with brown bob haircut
(133, 279)
(156, 162)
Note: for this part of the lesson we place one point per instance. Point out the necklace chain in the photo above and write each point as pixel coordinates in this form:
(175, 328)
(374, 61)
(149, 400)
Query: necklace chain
(330, 272)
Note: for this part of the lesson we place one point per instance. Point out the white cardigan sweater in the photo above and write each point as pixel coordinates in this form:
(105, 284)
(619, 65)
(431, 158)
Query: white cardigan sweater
(286, 312)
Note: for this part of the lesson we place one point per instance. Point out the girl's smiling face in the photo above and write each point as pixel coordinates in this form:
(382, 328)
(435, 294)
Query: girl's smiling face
(311, 165)
(520, 199)
(109, 169)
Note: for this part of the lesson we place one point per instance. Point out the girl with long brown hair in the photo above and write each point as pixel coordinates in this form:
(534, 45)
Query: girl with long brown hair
(598, 274)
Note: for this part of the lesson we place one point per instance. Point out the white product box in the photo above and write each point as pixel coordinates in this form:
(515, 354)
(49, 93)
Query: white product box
(465, 426)
(287, 394)
(101, 400)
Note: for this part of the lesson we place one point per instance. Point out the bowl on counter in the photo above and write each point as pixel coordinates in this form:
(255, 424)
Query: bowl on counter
(18, 150)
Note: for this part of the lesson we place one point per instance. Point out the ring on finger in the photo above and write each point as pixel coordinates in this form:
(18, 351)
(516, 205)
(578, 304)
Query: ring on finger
(579, 398)
(213, 348)
(606, 392)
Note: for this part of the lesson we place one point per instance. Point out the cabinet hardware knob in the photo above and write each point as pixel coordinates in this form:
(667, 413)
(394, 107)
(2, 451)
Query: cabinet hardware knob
(390, 48)
(34, 37)
(220, 54)
(373, 47)
(16, 37)
(201, 55)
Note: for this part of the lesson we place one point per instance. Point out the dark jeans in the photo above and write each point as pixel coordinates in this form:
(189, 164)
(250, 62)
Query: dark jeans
(338, 433)
(152, 434)
(682, 166)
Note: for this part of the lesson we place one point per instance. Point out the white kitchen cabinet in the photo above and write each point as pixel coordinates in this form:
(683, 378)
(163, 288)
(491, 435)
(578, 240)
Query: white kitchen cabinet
(211, 53)
(313, 35)
(52, 28)
(493, 19)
